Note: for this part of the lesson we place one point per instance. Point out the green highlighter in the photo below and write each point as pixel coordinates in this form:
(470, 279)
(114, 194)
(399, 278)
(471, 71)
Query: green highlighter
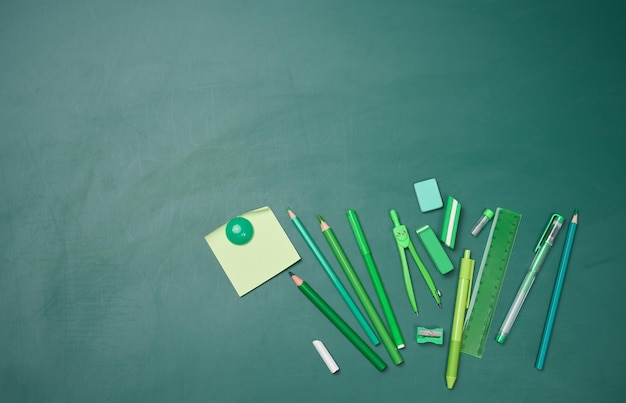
(432, 245)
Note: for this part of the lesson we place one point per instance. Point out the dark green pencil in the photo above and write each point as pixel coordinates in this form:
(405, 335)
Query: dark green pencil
(338, 322)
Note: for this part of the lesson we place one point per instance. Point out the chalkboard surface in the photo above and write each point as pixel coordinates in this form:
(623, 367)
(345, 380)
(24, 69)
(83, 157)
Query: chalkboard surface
(131, 129)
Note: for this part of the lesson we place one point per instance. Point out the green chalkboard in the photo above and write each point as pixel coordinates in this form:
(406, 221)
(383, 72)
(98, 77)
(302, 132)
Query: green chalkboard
(131, 129)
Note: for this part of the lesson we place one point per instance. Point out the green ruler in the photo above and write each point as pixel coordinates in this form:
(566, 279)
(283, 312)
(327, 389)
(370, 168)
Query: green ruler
(489, 279)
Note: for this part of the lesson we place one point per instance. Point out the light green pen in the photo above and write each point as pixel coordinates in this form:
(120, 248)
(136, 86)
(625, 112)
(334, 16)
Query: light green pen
(376, 280)
(404, 242)
(541, 252)
(464, 286)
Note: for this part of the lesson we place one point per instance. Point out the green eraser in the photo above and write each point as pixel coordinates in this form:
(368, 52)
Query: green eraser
(436, 252)
(450, 222)
(428, 196)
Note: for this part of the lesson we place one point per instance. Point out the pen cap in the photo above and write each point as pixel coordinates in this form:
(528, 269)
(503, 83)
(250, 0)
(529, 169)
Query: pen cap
(552, 229)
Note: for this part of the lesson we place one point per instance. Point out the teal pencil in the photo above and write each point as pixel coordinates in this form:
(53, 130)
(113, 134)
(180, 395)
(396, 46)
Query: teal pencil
(556, 292)
(333, 277)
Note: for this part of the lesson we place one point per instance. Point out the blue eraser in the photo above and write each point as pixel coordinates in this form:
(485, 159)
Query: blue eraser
(428, 195)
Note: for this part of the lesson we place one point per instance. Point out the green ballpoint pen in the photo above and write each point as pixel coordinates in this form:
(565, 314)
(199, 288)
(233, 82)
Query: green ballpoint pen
(404, 242)
(541, 252)
(466, 272)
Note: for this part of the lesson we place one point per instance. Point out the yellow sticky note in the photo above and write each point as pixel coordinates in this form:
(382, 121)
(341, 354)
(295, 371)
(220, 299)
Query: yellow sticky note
(268, 253)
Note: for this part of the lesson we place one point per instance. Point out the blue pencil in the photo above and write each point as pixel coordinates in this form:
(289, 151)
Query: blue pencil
(556, 292)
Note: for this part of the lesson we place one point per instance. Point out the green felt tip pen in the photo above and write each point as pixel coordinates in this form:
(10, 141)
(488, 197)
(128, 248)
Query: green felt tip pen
(345, 264)
(375, 276)
(339, 323)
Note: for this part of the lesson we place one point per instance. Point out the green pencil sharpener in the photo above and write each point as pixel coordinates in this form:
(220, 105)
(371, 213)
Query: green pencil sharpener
(425, 335)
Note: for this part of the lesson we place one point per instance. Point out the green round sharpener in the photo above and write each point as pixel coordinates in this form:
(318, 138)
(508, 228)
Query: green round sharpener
(239, 231)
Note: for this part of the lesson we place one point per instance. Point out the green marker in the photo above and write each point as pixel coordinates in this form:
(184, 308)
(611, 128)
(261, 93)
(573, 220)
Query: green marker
(345, 264)
(460, 306)
(378, 284)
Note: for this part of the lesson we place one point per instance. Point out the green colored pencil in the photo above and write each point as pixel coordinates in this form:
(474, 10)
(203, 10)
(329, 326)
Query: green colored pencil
(333, 277)
(345, 264)
(338, 322)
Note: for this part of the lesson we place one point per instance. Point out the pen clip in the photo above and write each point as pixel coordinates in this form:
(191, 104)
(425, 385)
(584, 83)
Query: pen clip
(469, 287)
(546, 232)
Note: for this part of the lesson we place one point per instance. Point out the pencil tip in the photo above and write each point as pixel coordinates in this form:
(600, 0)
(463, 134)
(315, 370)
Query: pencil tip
(320, 219)
(287, 208)
(439, 305)
(296, 280)
(417, 314)
(290, 273)
(576, 211)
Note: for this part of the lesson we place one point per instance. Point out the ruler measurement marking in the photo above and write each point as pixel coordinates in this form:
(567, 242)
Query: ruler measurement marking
(489, 279)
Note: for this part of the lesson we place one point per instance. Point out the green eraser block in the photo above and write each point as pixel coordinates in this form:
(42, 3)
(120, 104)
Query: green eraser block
(450, 222)
(436, 252)
(428, 196)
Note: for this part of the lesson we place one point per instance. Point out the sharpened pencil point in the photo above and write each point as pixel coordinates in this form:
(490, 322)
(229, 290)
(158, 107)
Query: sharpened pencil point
(439, 305)
(290, 273)
(292, 215)
(323, 224)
